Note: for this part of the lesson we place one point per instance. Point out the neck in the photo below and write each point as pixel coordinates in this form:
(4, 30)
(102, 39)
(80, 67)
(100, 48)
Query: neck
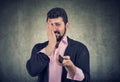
(57, 44)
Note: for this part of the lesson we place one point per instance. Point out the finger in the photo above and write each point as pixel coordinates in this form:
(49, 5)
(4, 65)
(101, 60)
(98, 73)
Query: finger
(48, 29)
(50, 24)
(66, 57)
(51, 28)
(66, 63)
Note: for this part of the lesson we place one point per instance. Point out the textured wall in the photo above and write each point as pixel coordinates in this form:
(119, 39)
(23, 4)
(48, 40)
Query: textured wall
(96, 23)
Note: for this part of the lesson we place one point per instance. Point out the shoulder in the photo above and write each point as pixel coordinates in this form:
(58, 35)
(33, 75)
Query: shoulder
(79, 46)
(76, 43)
(40, 45)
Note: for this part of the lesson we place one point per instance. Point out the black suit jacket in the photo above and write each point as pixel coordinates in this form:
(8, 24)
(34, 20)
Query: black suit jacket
(38, 64)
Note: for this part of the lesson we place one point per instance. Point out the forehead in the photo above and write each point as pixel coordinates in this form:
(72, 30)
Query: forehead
(53, 20)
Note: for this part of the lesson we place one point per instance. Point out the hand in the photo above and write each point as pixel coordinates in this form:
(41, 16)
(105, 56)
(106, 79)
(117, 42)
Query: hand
(69, 66)
(51, 34)
(51, 37)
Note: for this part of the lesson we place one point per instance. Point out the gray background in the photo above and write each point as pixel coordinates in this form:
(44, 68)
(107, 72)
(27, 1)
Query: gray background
(96, 23)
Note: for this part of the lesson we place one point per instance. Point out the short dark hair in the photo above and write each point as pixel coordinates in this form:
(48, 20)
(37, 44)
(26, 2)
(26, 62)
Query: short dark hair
(57, 12)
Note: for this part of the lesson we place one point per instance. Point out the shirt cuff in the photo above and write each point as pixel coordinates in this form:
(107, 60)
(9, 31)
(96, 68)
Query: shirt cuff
(43, 51)
(79, 76)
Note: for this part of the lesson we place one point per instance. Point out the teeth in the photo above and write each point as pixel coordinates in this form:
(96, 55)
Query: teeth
(56, 34)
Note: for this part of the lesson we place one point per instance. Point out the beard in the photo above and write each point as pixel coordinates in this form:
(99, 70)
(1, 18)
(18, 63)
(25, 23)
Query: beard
(59, 37)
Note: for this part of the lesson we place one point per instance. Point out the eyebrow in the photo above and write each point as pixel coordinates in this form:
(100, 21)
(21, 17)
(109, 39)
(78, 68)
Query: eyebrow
(57, 23)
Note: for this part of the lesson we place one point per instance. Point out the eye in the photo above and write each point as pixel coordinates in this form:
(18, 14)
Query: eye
(57, 24)
(52, 24)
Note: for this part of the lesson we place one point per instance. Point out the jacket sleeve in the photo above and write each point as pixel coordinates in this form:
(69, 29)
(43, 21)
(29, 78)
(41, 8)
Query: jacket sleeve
(37, 62)
(82, 61)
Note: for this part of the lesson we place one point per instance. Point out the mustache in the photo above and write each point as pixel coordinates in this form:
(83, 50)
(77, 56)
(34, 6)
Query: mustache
(57, 32)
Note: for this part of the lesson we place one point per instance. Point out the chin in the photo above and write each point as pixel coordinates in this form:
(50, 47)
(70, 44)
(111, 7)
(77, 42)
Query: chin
(59, 39)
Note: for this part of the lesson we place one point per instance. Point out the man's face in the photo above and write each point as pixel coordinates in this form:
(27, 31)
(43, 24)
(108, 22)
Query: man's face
(59, 27)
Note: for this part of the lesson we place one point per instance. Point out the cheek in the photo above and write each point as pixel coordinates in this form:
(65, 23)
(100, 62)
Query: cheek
(62, 31)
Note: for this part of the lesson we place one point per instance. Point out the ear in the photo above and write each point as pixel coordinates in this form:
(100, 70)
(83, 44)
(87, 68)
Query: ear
(67, 25)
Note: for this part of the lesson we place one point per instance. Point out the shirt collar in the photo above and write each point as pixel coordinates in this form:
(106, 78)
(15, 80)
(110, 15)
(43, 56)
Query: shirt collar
(64, 40)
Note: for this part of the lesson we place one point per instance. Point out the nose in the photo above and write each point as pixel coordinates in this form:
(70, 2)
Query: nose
(55, 27)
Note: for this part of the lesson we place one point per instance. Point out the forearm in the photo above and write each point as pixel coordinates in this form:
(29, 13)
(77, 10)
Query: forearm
(49, 49)
(78, 75)
(37, 63)
(71, 71)
(84, 63)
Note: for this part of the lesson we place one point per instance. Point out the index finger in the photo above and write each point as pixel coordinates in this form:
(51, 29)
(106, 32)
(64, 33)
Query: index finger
(66, 57)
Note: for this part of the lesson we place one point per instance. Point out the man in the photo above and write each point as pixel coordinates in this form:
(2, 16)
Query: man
(60, 59)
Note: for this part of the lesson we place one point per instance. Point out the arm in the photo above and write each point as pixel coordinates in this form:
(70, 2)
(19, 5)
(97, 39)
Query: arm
(82, 61)
(38, 62)
(79, 76)
(79, 71)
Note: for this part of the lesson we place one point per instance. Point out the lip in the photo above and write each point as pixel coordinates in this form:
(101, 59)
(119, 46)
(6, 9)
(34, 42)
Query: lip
(57, 34)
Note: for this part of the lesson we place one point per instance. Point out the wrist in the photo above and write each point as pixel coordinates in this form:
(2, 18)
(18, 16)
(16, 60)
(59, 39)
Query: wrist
(49, 49)
(51, 46)
(72, 71)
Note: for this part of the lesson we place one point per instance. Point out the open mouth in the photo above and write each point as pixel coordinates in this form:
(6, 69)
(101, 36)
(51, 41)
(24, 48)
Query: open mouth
(57, 34)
